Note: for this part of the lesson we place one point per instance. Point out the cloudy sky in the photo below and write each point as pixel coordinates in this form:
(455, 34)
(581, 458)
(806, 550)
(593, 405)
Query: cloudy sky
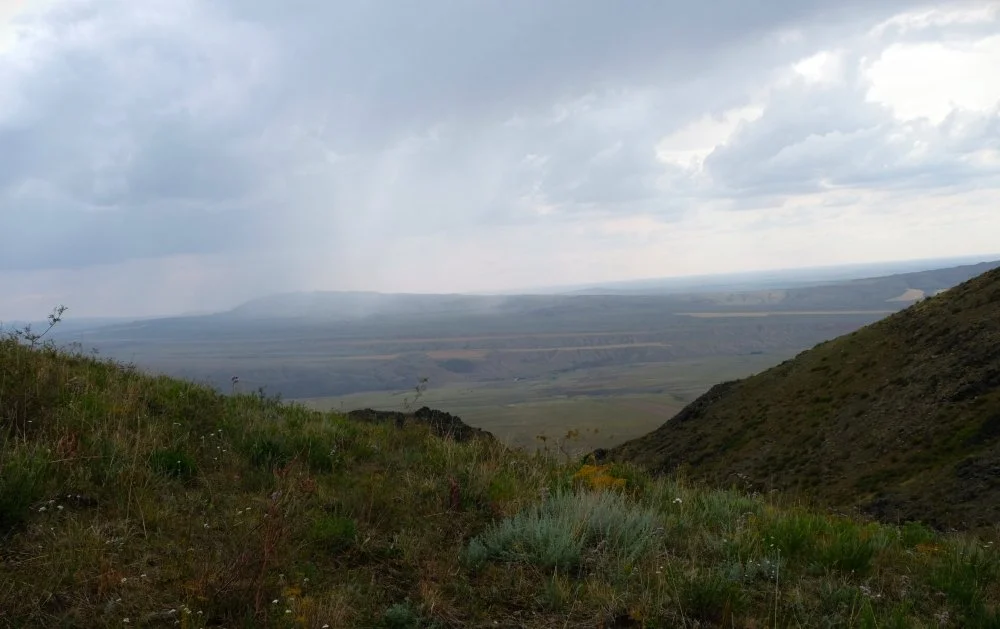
(168, 156)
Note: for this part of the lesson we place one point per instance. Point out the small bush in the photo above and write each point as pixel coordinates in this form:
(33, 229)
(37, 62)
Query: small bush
(763, 569)
(965, 573)
(711, 597)
(105, 469)
(913, 534)
(598, 477)
(23, 481)
(319, 454)
(795, 534)
(401, 616)
(333, 533)
(173, 463)
(504, 486)
(720, 510)
(557, 532)
(847, 550)
(637, 481)
(557, 593)
(266, 452)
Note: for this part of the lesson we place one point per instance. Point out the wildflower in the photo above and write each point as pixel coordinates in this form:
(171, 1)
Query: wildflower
(677, 501)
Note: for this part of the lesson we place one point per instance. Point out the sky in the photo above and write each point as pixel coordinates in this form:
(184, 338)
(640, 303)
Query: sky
(173, 156)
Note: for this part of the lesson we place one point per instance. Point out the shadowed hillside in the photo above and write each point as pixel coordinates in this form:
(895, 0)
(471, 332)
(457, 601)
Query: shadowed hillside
(900, 418)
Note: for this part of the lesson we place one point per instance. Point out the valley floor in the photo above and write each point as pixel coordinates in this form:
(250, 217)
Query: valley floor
(601, 406)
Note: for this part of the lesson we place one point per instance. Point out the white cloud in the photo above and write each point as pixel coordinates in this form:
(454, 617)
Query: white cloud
(931, 80)
(824, 67)
(950, 14)
(689, 146)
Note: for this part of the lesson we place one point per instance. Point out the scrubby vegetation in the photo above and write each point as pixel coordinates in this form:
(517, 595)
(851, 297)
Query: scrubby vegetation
(900, 418)
(128, 500)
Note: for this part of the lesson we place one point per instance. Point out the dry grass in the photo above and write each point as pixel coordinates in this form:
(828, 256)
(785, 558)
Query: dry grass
(135, 501)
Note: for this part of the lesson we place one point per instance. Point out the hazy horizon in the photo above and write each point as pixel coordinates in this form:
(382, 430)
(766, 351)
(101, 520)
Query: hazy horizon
(172, 156)
(808, 275)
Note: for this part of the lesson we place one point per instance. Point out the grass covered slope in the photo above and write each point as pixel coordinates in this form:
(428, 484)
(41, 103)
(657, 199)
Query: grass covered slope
(131, 501)
(901, 418)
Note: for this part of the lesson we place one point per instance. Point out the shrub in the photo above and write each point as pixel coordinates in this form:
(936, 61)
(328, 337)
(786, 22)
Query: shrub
(557, 532)
(598, 477)
(266, 452)
(913, 534)
(794, 534)
(401, 616)
(318, 453)
(23, 480)
(722, 509)
(173, 463)
(964, 575)
(333, 533)
(505, 485)
(847, 550)
(711, 597)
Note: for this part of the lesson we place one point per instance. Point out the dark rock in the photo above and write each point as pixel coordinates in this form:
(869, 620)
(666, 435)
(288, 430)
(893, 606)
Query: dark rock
(441, 423)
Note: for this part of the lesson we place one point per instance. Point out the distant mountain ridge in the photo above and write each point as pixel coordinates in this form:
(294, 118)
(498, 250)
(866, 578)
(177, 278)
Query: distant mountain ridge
(900, 418)
(833, 294)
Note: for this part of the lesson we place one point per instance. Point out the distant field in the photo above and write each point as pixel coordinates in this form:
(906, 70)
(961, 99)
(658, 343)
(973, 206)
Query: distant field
(911, 294)
(480, 354)
(606, 405)
(785, 313)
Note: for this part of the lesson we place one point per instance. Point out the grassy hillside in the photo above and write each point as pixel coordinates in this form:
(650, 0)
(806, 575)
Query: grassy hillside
(900, 418)
(131, 501)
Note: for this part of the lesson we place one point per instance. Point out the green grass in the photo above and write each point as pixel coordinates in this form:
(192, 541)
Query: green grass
(125, 496)
(900, 419)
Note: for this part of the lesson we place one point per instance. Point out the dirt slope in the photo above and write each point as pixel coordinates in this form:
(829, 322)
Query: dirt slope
(900, 418)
